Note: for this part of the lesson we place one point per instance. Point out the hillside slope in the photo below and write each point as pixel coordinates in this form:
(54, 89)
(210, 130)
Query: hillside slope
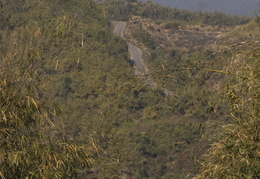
(72, 106)
(205, 64)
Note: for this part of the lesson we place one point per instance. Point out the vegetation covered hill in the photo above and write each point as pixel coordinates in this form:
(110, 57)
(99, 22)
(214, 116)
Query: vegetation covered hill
(71, 105)
(126, 8)
(206, 63)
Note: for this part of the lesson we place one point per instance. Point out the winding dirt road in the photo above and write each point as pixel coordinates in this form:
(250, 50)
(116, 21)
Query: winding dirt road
(141, 69)
(135, 55)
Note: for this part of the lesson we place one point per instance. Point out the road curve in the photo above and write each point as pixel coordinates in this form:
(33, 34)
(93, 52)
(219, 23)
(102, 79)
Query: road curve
(135, 55)
(119, 28)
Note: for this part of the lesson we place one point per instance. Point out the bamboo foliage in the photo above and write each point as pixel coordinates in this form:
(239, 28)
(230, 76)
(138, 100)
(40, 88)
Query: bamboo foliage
(63, 27)
(236, 155)
(25, 116)
(24, 150)
(65, 52)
